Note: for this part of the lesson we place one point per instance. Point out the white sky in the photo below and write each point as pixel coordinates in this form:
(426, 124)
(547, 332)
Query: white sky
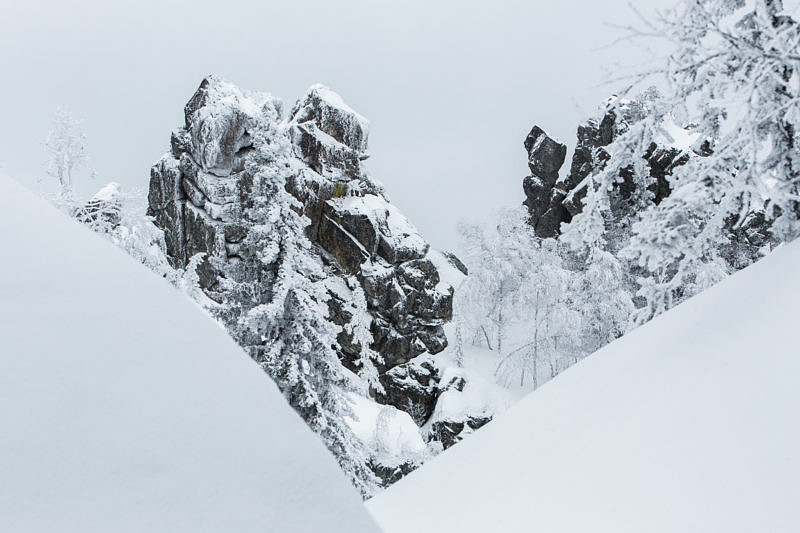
(451, 88)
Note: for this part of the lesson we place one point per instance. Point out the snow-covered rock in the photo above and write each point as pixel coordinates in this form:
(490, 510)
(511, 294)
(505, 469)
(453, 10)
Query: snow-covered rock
(553, 200)
(219, 121)
(689, 423)
(197, 192)
(103, 209)
(330, 137)
(124, 408)
(200, 193)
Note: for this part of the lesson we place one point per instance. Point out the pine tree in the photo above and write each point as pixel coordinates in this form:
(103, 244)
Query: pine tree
(359, 329)
(282, 317)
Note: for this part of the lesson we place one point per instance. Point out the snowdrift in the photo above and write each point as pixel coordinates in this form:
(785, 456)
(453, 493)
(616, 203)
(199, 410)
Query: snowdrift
(124, 408)
(690, 423)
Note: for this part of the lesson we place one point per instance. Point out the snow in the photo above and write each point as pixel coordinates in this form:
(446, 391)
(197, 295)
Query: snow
(449, 275)
(108, 193)
(398, 438)
(124, 408)
(219, 128)
(226, 98)
(677, 137)
(687, 424)
(480, 397)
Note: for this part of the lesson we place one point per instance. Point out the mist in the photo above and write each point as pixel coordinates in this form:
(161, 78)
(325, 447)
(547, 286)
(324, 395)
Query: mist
(451, 88)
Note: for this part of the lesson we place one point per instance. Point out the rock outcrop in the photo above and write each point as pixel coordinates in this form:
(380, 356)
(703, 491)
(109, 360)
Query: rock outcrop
(201, 188)
(543, 191)
(553, 200)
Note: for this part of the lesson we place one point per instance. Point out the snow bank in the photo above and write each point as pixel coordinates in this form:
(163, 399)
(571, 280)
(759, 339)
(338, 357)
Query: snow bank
(480, 397)
(688, 424)
(387, 429)
(123, 408)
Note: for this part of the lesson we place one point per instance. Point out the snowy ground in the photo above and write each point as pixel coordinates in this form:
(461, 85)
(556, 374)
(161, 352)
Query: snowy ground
(393, 432)
(123, 407)
(689, 424)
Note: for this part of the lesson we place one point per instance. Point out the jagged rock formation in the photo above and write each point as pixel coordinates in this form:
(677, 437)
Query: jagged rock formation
(543, 191)
(200, 190)
(554, 200)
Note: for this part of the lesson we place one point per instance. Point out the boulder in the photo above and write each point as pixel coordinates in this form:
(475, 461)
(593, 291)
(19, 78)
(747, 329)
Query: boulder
(449, 433)
(104, 210)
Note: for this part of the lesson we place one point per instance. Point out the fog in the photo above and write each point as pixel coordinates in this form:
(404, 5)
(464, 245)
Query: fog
(451, 88)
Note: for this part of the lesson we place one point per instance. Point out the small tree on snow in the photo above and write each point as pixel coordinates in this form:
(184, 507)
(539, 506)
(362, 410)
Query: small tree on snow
(359, 328)
(66, 151)
(519, 298)
(487, 300)
(548, 314)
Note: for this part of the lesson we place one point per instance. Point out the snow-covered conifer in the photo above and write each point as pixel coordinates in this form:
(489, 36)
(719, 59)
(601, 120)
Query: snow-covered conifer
(282, 316)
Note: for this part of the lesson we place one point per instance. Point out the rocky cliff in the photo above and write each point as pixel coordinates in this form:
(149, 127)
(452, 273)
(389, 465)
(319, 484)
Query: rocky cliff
(553, 200)
(200, 190)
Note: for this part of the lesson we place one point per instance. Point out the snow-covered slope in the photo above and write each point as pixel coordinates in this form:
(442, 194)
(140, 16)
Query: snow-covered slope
(124, 408)
(690, 423)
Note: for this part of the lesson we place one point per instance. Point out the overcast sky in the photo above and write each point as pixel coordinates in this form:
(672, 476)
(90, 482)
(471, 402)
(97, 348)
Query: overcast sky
(451, 88)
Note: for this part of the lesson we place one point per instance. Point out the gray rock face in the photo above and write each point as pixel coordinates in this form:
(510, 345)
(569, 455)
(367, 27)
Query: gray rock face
(543, 191)
(450, 433)
(545, 156)
(331, 138)
(415, 385)
(201, 188)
